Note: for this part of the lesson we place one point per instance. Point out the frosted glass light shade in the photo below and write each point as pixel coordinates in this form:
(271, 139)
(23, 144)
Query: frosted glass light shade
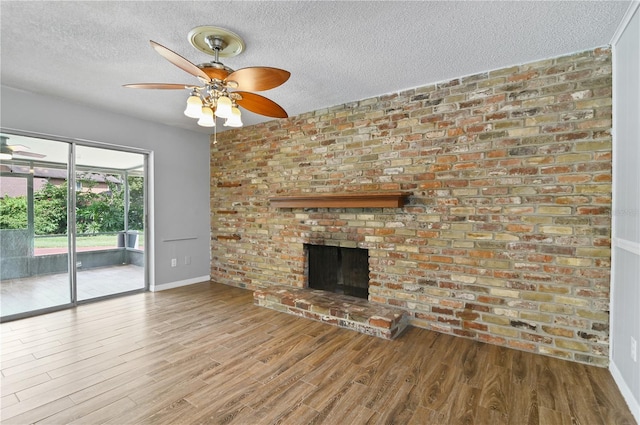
(206, 118)
(194, 107)
(223, 107)
(234, 120)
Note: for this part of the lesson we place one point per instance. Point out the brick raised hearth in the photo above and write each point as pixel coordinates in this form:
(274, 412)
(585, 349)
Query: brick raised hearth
(339, 310)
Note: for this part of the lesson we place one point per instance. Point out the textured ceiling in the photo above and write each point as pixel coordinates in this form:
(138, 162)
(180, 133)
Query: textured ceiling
(337, 52)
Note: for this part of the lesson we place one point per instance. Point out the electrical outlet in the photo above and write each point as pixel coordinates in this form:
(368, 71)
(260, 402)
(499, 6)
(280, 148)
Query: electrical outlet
(187, 260)
(634, 350)
(174, 262)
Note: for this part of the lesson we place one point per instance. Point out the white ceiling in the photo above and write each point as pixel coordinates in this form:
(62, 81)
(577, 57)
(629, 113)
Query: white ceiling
(337, 52)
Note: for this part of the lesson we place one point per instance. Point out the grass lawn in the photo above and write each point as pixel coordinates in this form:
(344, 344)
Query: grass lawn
(82, 241)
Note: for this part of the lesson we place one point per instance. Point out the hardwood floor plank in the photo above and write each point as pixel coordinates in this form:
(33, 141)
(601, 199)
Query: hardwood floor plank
(9, 400)
(325, 391)
(523, 368)
(134, 368)
(497, 393)
(171, 414)
(426, 416)
(440, 381)
(104, 414)
(463, 408)
(471, 362)
(551, 393)
(401, 406)
(93, 365)
(549, 416)
(34, 413)
(524, 409)
(205, 354)
(386, 381)
(214, 398)
(110, 389)
(583, 409)
(349, 410)
(156, 397)
(17, 360)
(18, 348)
(30, 401)
(14, 384)
(280, 397)
(301, 414)
(612, 406)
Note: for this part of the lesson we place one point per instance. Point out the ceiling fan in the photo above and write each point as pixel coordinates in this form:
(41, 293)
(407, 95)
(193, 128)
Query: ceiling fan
(8, 151)
(222, 89)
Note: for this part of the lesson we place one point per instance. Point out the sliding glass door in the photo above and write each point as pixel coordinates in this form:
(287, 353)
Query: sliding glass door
(109, 221)
(34, 251)
(72, 224)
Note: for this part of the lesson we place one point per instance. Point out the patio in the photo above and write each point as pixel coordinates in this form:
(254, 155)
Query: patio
(38, 292)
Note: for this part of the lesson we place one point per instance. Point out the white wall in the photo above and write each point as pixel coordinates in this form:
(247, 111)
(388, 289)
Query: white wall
(180, 173)
(625, 298)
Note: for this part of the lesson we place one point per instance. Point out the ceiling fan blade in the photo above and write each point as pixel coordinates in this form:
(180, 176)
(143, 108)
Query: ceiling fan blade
(258, 78)
(159, 86)
(179, 61)
(29, 154)
(260, 105)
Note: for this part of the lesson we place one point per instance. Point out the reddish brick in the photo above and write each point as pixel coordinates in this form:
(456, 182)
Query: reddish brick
(476, 326)
(380, 322)
(464, 333)
(439, 310)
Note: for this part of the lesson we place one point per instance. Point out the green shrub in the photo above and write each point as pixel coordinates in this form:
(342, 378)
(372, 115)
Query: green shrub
(13, 212)
(95, 212)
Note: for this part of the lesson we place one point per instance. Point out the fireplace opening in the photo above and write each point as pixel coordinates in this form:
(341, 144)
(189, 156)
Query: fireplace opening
(339, 270)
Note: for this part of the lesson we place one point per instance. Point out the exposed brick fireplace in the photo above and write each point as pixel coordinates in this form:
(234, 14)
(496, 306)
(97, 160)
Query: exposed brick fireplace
(505, 236)
(338, 270)
(336, 292)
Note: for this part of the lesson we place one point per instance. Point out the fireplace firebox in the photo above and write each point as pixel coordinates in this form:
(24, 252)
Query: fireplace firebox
(339, 270)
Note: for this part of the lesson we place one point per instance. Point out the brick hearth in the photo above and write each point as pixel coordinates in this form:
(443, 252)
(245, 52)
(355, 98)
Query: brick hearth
(339, 310)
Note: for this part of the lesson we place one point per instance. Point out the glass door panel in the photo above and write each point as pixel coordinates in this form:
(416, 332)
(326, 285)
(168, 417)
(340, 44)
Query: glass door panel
(34, 255)
(109, 222)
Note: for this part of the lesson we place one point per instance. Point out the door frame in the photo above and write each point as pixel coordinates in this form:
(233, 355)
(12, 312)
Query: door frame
(71, 217)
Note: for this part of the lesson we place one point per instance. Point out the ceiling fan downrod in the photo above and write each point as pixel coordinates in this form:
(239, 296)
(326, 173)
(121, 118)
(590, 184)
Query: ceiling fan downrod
(216, 44)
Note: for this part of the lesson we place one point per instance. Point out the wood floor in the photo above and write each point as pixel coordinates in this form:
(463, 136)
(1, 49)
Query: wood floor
(205, 354)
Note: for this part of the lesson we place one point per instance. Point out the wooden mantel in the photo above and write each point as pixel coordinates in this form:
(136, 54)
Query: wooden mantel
(342, 200)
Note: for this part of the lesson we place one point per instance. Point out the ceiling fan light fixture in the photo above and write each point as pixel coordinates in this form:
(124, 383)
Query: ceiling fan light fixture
(235, 119)
(216, 94)
(194, 106)
(206, 117)
(223, 107)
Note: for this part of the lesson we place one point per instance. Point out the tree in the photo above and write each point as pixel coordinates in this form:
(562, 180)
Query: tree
(136, 203)
(96, 212)
(50, 205)
(13, 212)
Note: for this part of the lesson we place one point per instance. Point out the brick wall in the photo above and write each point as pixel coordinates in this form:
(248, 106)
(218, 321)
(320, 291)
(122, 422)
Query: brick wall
(506, 236)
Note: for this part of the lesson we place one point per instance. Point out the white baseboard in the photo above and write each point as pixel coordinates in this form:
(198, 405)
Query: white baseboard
(180, 283)
(633, 404)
